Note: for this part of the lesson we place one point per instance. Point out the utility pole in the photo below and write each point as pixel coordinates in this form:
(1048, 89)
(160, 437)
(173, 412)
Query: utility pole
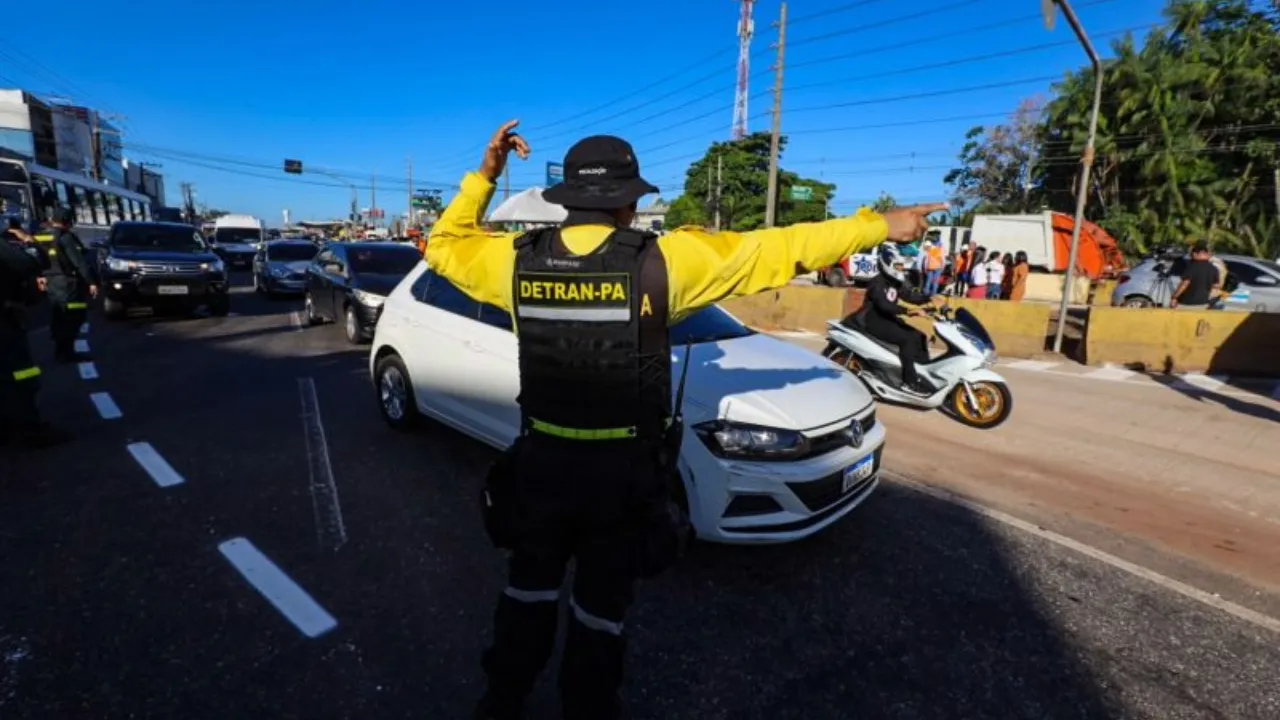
(772, 198)
(1086, 161)
(506, 181)
(408, 219)
(373, 199)
(719, 187)
(1277, 189)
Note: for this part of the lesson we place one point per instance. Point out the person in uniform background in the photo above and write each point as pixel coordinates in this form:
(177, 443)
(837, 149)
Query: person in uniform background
(589, 477)
(20, 287)
(963, 260)
(71, 285)
(934, 258)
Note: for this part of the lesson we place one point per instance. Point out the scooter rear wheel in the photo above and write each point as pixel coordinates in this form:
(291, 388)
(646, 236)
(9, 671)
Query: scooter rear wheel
(995, 403)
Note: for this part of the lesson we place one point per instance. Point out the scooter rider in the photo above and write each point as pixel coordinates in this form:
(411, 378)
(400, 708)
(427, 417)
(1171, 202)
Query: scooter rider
(881, 316)
(591, 302)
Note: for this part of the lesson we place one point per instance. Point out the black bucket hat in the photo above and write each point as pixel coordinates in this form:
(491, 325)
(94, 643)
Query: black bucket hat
(600, 173)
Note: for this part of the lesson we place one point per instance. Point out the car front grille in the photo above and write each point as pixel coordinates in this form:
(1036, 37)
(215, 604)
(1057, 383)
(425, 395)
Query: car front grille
(824, 492)
(823, 444)
(177, 268)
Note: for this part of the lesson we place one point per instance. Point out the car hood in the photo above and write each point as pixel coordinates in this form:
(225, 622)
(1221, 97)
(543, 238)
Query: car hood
(161, 255)
(378, 284)
(761, 380)
(293, 266)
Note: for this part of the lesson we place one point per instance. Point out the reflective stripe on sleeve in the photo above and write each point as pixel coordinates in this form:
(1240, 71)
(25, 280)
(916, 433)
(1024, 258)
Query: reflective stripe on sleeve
(594, 622)
(77, 306)
(27, 374)
(531, 596)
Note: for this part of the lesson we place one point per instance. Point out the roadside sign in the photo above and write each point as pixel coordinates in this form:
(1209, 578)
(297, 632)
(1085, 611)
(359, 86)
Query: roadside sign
(293, 167)
(555, 173)
(800, 193)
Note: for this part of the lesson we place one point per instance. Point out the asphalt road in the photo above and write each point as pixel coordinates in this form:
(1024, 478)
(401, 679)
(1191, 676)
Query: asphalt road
(118, 598)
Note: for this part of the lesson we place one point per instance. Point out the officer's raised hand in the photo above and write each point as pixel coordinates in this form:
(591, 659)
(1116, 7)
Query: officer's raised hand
(501, 145)
(908, 224)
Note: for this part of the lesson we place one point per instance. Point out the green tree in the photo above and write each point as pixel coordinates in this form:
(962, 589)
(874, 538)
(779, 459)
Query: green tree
(998, 171)
(428, 201)
(1187, 140)
(884, 203)
(742, 167)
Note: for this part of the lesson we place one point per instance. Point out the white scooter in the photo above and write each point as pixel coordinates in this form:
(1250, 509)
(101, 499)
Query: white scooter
(965, 384)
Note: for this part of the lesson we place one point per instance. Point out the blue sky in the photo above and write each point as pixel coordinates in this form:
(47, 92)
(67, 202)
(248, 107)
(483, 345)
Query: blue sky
(221, 93)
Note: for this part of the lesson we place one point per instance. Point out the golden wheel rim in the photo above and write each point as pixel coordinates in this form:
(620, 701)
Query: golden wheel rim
(990, 403)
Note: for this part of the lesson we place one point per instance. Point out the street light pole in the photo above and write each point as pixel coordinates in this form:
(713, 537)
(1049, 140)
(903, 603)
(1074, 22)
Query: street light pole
(1086, 162)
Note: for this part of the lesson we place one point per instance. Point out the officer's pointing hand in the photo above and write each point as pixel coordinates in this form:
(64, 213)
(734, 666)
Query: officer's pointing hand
(908, 224)
(500, 146)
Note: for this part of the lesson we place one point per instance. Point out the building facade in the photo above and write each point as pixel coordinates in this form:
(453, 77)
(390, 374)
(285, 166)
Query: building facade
(140, 178)
(27, 127)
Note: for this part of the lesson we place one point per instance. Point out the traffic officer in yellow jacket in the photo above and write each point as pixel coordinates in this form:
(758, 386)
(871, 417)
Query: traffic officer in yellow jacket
(71, 284)
(591, 302)
(20, 287)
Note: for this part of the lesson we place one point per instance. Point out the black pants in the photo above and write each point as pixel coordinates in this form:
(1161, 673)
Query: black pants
(912, 344)
(19, 378)
(580, 500)
(64, 325)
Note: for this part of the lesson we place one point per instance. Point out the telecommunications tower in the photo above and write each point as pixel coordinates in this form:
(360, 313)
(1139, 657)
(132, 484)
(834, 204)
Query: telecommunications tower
(746, 28)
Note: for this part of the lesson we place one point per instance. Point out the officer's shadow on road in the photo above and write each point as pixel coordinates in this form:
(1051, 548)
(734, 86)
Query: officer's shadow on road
(909, 607)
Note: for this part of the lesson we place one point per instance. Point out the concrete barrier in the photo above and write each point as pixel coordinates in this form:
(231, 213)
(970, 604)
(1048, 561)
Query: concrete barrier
(1018, 329)
(1102, 293)
(794, 307)
(1158, 340)
(1043, 287)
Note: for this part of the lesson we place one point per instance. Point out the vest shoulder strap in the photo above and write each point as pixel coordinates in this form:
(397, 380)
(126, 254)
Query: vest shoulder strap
(533, 237)
(637, 240)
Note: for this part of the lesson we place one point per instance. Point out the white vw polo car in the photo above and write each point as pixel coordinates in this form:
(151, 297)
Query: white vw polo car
(779, 443)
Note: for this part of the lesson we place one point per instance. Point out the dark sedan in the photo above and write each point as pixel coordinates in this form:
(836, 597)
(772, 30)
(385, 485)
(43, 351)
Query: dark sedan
(280, 267)
(160, 265)
(350, 281)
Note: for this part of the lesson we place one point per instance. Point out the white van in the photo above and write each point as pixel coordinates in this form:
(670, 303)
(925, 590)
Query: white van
(236, 239)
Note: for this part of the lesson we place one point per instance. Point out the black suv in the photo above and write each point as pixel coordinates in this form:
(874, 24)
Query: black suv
(163, 266)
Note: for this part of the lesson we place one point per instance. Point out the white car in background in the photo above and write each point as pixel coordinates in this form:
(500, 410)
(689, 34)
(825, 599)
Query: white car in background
(779, 443)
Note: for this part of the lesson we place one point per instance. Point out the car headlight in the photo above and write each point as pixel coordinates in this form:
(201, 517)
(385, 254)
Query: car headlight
(216, 266)
(119, 265)
(369, 299)
(739, 440)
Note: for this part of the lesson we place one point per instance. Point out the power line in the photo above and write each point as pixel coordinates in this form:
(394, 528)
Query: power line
(831, 11)
(924, 14)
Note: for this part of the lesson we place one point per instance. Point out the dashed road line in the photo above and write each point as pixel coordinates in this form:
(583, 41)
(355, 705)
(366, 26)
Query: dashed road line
(156, 466)
(331, 532)
(107, 407)
(296, 319)
(84, 328)
(88, 371)
(278, 588)
(1168, 583)
(82, 346)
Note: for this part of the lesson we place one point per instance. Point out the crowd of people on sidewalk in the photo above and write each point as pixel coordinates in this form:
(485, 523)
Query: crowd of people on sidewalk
(975, 272)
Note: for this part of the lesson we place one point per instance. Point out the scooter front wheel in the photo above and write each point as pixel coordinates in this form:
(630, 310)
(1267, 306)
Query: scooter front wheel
(994, 404)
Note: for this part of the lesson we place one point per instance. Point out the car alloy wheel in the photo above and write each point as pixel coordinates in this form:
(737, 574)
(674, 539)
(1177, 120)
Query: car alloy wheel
(393, 392)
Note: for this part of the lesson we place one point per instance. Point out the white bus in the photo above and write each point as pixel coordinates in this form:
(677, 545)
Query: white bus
(32, 192)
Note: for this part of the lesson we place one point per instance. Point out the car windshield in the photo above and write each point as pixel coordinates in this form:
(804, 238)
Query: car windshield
(291, 252)
(708, 325)
(237, 235)
(155, 237)
(383, 260)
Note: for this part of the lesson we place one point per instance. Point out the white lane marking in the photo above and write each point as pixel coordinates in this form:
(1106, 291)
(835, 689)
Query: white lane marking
(84, 328)
(107, 407)
(296, 319)
(795, 334)
(156, 466)
(1110, 373)
(1168, 583)
(1031, 365)
(82, 346)
(331, 532)
(88, 371)
(279, 589)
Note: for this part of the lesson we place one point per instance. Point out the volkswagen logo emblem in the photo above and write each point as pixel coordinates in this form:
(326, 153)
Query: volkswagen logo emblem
(854, 432)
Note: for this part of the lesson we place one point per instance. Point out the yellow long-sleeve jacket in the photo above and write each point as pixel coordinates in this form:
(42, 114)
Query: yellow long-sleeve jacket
(703, 267)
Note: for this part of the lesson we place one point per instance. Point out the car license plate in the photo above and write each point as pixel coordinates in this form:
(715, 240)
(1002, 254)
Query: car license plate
(858, 473)
(173, 290)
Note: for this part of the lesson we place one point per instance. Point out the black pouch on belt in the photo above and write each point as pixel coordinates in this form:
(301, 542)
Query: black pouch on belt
(664, 531)
(499, 506)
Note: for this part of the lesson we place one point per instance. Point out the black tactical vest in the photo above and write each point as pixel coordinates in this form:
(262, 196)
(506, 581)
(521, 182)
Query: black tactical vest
(58, 264)
(595, 355)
